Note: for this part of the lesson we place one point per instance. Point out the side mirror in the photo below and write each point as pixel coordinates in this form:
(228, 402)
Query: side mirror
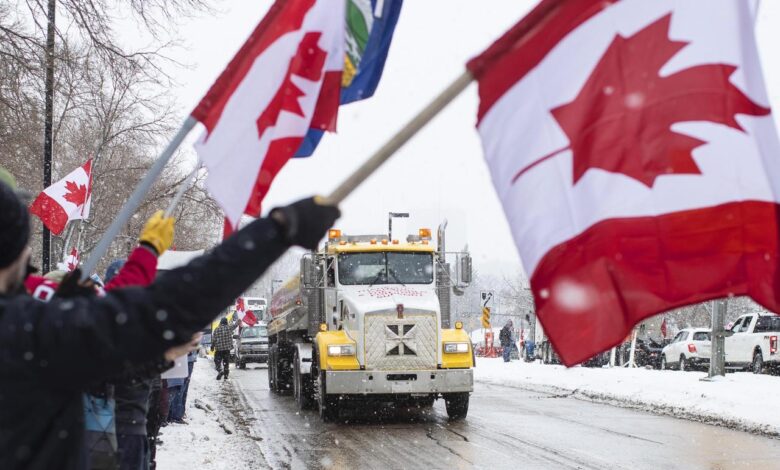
(465, 270)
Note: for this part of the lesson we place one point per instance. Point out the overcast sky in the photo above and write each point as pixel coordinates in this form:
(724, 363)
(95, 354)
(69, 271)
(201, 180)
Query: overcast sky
(441, 172)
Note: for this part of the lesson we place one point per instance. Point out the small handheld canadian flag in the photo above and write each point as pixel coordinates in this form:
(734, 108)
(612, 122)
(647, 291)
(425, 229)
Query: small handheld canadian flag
(71, 262)
(246, 316)
(67, 199)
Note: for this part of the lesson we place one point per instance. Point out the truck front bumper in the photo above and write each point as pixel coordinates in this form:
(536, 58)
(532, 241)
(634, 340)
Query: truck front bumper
(399, 382)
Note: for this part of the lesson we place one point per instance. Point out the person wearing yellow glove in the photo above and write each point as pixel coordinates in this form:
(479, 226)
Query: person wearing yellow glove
(158, 233)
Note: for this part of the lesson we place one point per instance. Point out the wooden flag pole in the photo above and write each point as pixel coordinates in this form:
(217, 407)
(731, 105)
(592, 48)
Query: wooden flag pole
(400, 138)
(136, 198)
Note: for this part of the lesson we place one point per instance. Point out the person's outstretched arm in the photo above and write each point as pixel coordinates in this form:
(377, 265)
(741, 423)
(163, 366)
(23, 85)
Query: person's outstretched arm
(74, 341)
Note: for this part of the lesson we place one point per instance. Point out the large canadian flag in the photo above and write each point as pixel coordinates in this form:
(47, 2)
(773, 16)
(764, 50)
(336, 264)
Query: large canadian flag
(632, 146)
(68, 199)
(284, 80)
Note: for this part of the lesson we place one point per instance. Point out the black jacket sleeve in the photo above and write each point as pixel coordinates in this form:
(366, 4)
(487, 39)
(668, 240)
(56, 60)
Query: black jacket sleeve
(73, 342)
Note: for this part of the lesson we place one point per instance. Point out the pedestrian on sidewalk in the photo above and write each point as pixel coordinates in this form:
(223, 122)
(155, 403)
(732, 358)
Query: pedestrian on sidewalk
(192, 357)
(175, 395)
(506, 340)
(222, 344)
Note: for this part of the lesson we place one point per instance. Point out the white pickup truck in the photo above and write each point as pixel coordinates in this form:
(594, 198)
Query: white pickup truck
(754, 342)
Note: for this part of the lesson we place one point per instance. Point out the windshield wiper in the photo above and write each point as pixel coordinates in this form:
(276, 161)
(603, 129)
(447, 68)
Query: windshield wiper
(392, 274)
(376, 279)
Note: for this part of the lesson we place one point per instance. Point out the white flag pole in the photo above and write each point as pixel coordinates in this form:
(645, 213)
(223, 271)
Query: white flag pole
(183, 187)
(135, 199)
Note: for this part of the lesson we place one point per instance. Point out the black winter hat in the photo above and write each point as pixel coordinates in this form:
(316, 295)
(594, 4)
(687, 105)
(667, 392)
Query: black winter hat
(14, 226)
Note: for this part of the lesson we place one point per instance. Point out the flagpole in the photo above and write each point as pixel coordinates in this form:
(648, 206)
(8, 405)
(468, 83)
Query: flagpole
(400, 138)
(137, 197)
(183, 187)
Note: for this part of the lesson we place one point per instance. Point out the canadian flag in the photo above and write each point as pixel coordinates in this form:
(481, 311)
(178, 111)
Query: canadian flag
(632, 146)
(284, 80)
(71, 262)
(67, 199)
(246, 316)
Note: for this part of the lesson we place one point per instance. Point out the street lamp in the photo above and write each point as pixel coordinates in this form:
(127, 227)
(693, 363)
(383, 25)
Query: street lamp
(390, 216)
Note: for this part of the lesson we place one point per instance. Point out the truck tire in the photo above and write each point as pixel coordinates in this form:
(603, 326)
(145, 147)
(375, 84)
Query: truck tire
(757, 366)
(271, 371)
(328, 406)
(284, 371)
(457, 405)
(301, 386)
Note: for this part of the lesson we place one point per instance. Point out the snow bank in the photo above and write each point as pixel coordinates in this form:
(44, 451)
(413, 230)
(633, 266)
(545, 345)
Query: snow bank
(213, 438)
(740, 400)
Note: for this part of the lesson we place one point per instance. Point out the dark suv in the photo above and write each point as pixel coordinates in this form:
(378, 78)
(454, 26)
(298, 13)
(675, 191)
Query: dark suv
(252, 345)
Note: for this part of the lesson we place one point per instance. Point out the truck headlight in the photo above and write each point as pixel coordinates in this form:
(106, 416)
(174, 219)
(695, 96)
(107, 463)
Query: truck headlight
(341, 350)
(453, 348)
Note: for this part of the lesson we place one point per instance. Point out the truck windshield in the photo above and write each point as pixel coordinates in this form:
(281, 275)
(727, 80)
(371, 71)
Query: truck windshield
(385, 268)
(254, 332)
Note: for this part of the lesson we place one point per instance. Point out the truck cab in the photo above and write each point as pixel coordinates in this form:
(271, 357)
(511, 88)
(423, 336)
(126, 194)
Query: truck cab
(753, 343)
(382, 325)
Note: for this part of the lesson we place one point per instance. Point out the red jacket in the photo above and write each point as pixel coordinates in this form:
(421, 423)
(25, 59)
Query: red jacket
(139, 270)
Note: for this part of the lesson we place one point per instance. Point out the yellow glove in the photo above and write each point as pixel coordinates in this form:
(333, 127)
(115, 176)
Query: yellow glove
(158, 232)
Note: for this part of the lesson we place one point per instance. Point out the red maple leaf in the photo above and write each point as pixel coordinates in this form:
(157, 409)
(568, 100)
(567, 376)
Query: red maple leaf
(622, 117)
(76, 193)
(308, 63)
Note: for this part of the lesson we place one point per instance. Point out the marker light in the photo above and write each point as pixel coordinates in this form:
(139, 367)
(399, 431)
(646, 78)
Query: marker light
(334, 233)
(425, 233)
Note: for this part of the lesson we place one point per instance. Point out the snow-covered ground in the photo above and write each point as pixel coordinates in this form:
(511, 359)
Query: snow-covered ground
(214, 437)
(740, 400)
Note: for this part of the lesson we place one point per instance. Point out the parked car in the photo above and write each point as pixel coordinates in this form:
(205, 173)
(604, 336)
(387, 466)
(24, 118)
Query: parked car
(252, 345)
(754, 342)
(690, 348)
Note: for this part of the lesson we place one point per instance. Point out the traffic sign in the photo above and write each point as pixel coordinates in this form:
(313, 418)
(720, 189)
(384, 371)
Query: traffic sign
(485, 317)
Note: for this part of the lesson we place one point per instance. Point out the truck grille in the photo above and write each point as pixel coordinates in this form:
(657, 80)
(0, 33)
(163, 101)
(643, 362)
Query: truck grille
(408, 343)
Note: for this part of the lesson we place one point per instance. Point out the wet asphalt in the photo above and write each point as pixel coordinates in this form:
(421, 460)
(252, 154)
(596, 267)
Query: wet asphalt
(507, 428)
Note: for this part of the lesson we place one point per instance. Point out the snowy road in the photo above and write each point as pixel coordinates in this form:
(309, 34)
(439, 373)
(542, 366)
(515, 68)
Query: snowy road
(506, 428)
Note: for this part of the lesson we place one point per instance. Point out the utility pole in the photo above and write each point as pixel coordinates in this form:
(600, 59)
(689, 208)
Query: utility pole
(48, 126)
(718, 354)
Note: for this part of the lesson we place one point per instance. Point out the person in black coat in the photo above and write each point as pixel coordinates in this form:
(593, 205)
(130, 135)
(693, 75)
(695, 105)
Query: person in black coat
(50, 352)
(505, 337)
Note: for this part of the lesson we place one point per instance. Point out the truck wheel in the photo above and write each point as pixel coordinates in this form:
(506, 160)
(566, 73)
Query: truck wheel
(272, 384)
(301, 388)
(758, 362)
(457, 405)
(328, 405)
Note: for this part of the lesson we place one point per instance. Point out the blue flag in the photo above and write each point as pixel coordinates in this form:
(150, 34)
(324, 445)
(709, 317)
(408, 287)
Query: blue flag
(370, 27)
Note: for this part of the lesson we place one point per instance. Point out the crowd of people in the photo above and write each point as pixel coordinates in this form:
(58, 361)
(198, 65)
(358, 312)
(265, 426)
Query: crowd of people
(81, 360)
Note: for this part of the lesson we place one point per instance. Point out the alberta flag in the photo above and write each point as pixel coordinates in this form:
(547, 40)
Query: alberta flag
(370, 27)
